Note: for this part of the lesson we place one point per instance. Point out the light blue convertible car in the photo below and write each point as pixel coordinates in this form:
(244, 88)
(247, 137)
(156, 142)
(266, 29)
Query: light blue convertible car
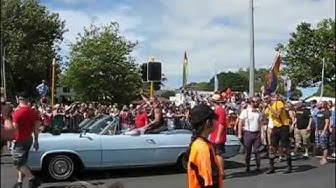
(102, 146)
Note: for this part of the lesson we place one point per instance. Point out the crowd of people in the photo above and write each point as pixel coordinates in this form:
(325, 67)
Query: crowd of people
(262, 123)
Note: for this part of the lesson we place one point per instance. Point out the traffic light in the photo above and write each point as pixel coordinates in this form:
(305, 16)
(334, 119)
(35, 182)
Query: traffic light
(154, 71)
(144, 72)
(157, 86)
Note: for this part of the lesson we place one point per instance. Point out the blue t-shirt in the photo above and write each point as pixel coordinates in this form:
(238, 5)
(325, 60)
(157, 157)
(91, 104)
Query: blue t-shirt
(314, 112)
(333, 118)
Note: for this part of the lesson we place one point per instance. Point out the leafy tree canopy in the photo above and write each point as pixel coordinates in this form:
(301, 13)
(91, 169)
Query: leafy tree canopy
(100, 67)
(305, 51)
(29, 38)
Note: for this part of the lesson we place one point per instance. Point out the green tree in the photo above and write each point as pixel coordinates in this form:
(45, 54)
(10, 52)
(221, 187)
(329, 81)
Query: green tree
(168, 93)
(100, 66)
(201, 86)
(230, 79)
(260, 78)
(30, 35)
(304, 54)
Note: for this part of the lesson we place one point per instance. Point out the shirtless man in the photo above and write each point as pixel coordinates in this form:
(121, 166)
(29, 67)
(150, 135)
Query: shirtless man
(156, 124)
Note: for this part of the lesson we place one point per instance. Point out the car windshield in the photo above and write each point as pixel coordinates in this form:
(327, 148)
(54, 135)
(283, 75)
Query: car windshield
(85, 124)
(100, 124)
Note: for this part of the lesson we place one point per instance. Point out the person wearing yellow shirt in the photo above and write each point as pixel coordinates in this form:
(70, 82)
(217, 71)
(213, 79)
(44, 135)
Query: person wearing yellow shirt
(280, 133)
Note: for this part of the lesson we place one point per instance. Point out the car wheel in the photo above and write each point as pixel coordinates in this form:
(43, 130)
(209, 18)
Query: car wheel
(61, 167)
(183, 162)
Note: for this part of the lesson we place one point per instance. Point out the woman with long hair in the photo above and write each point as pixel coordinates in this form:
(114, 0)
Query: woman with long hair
(203, 166)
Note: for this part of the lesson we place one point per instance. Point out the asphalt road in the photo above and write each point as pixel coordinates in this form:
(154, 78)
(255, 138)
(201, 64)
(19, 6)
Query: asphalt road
(307, 174)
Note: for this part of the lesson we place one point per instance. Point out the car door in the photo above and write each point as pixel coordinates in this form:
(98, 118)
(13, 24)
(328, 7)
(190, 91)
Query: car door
(125, 150)
(88, 146)
(168, 147)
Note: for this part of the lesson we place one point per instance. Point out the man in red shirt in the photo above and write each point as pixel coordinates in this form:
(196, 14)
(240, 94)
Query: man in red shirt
(141, 119)
(26, 124)
(218, 136)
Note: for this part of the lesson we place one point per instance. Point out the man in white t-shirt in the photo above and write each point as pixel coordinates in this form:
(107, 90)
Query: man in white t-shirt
(249, 132)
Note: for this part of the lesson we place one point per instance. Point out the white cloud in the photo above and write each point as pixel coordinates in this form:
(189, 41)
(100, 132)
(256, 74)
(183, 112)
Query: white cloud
(176, 26)
(76, 20)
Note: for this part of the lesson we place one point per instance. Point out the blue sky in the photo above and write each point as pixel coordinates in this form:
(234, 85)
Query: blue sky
(212, 32)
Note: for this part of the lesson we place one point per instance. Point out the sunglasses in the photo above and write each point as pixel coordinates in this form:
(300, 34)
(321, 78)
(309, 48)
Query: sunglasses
(254, 102)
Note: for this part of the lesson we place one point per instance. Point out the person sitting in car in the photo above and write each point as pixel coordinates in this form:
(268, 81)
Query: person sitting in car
(157, 122)
(141, 120)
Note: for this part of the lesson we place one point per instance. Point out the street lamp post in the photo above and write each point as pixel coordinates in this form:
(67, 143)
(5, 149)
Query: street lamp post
(252, 59)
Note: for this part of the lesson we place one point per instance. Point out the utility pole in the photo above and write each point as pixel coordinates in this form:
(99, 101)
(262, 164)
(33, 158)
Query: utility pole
(4, 72)
(53, 82)
(252, 59)
(322, 84)
(3, 66)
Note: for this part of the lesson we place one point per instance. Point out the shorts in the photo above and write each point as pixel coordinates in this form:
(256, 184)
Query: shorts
(21, 151)
(280, 137)
(219, 149)
(302, 136)
(333, 137)
(322, 141)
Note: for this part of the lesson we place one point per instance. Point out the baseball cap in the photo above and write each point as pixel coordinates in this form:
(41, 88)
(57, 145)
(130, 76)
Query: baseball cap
(201, 113)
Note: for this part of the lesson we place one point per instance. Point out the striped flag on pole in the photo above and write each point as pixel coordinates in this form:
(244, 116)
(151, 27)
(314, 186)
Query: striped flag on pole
(273, 75)
(185, 69)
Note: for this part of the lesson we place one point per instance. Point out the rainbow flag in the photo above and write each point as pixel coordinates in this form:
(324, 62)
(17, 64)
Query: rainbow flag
(273, 75)
(185, 70)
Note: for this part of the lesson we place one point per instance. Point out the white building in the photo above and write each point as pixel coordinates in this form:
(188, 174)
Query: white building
(65, 92)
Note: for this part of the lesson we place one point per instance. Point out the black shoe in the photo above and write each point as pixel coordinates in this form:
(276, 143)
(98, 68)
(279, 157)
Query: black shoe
(271, 169)
(18, 185)
(288, 170)
(34, 183)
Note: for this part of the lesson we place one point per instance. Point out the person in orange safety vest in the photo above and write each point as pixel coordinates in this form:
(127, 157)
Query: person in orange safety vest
(203, 166)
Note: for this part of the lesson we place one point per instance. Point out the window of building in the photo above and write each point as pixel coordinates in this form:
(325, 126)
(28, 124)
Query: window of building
(66, 90)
